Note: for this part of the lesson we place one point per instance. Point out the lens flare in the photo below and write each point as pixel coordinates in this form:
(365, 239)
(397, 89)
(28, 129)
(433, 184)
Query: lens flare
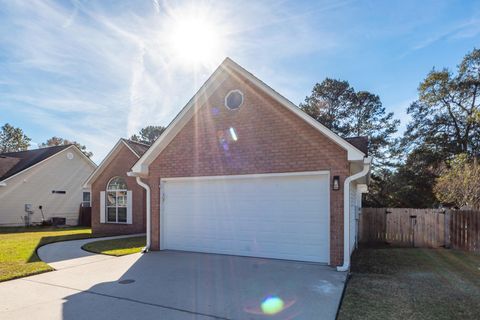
(196, 35)
(272, 305)
(215, 111)
(233, 134)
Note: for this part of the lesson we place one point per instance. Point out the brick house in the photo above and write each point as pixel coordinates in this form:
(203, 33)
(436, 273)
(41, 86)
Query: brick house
(118, 202)
(241, 170)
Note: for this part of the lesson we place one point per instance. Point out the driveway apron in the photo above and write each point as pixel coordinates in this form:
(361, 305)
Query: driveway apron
(171, 285)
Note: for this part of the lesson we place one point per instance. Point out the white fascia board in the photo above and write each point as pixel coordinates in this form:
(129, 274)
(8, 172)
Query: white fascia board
(128, 146)
(141, 166)
(354, 154)
(116, 148)
(87, 159)
(221, 73)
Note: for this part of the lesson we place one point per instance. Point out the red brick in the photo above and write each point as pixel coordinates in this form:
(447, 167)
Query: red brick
(270, 139)
(119, 166)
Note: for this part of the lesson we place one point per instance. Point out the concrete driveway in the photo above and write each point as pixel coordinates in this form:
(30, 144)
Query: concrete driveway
(67, 254)
(172, 285)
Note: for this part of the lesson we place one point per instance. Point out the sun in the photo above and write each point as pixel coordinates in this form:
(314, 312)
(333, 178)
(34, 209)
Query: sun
(195, 39)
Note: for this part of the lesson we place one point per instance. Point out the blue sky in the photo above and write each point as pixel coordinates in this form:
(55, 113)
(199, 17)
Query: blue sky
(95, 71)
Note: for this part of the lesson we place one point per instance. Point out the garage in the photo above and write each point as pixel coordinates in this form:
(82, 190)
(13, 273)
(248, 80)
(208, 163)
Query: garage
(281, 215)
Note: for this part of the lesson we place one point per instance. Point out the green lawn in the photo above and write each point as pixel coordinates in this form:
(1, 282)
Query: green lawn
(18, 256)
(117, 247)
(412, 283)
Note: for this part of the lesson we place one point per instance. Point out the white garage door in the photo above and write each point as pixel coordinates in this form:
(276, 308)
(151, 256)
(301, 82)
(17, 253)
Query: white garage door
(283, 216)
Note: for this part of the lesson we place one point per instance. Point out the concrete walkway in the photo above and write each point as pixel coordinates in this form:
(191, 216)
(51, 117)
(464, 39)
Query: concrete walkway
(171, 285)
(67, 254)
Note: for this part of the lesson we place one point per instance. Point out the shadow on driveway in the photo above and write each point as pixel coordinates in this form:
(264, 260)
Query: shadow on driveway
(181, 285)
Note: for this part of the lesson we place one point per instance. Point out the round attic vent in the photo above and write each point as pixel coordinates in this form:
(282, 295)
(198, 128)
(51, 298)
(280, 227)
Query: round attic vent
(234, 99)
(69, 156)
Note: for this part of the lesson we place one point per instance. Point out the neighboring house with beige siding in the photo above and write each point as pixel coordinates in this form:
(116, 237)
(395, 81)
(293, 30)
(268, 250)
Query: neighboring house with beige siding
(51, 178)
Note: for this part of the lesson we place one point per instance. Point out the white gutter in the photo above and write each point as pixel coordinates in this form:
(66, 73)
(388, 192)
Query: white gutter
(346, 213)
(149, 227)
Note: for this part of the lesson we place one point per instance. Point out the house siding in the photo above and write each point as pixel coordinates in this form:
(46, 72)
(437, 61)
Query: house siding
(35, 185)
(270, 139)
(119, 165)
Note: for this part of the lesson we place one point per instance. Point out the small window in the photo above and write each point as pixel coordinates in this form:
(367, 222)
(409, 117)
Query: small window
(116, 201)
(234, 99)
(86, 199)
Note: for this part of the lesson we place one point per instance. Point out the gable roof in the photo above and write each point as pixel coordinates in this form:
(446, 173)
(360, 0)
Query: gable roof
(7, 163)
(361, 143)
(22, 160)
(13, 163)
(137, 148)
(227, 67)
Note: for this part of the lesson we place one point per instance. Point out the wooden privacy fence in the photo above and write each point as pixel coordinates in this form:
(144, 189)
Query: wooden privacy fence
(464, 230)
(430, 228)
(85, 216)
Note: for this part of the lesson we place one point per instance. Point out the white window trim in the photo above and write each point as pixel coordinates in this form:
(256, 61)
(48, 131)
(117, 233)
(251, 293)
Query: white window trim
(98, 170)
(226, 97)
(126, 206)
(87, 202)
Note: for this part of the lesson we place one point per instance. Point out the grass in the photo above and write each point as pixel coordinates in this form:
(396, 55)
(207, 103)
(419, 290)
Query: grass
(117, 247)
(18, 245)
(412, 283)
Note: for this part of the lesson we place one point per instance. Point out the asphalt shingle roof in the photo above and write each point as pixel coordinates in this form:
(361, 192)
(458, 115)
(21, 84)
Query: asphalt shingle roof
(12, 163)
(139, 148)
(361, 143)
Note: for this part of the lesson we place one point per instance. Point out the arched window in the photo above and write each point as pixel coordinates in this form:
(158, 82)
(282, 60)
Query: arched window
(117, 200)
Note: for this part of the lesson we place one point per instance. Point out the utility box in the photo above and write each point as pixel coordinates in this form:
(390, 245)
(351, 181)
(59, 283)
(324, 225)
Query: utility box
(29, 211)
(58, 221)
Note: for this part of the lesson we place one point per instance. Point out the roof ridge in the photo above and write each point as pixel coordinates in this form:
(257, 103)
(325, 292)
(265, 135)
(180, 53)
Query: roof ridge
(49, 147)
(228, 60)
(228, 66)
(137, 142)
(29, 158)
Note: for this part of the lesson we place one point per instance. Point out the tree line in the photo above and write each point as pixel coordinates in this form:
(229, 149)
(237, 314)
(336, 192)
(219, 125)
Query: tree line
(434, 162)
(13, 139)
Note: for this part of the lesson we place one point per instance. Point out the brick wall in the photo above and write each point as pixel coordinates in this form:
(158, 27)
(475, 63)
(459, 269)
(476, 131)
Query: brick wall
(119, 166)
(270, 139)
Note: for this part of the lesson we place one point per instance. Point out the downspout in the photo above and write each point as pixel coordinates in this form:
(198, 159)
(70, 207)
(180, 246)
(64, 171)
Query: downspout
(147, 189)
(346, 213)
